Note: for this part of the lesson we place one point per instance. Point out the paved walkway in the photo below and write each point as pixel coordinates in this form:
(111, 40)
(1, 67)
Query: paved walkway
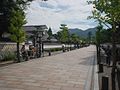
(66, 71)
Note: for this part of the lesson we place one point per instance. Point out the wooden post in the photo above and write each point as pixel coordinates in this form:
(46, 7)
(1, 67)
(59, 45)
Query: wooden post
(105, 83)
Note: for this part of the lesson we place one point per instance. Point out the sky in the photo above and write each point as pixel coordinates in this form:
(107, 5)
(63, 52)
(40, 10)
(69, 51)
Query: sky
(52, 13)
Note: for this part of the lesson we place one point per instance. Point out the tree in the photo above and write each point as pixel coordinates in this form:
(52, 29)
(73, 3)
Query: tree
(63, 34)
(16, 20)
(107, 12)
(6, 7)
(75, 38)
(16, 28)
(49, 33)
(89, 37)
(98, 42)
(106, 36)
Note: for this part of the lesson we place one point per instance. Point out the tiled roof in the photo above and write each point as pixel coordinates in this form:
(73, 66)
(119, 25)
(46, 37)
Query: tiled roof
(31, 28)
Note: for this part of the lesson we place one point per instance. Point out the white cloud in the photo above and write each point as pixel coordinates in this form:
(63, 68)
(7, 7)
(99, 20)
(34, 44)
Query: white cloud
(74, 13)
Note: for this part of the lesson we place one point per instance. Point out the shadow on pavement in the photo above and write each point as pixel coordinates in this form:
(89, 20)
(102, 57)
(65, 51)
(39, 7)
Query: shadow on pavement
(88, 61)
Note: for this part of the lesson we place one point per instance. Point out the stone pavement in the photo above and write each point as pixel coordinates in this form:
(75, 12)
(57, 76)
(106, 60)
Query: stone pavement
(67, 71)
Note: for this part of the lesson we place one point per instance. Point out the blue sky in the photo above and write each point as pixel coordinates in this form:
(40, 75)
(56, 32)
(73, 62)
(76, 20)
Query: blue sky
(52, 13)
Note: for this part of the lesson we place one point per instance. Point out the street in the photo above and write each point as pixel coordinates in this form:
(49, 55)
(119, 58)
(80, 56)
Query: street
(66, 71)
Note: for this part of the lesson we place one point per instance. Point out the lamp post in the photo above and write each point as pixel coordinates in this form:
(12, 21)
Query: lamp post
(34, 38)
(40, 34)
(42, 43)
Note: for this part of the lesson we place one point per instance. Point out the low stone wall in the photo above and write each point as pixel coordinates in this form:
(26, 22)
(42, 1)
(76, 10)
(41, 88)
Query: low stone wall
(7, 50)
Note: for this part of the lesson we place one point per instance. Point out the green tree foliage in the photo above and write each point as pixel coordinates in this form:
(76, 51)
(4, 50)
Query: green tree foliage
(63, 34)
(107, 12)
(6, 7)
(50, 33)
(89, 37)
(75, 38)
(106, 36)
(99, 35)
(17, 21)
(16, 26)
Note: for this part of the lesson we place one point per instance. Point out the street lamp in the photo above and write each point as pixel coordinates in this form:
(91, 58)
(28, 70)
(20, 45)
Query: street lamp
(40, 34)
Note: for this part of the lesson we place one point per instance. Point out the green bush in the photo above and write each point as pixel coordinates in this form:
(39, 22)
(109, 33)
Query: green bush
(54, 49)
(6, 56)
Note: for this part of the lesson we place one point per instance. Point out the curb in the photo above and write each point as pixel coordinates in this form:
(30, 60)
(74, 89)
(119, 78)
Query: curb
(91, 82)
(88, 82)
(96, 82)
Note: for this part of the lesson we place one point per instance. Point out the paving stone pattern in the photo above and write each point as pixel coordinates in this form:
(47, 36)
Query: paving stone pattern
(66, 71)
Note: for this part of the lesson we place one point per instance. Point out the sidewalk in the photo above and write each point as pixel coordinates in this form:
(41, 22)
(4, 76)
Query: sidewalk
(67, 71)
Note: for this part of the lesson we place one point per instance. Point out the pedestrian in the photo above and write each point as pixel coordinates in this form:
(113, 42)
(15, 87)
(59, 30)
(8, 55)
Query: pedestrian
(24, 52)
(63, 47)
(23, 49)
(108, 53)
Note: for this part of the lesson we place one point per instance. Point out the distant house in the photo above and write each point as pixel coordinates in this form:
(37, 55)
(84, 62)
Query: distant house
(53, 39)
(33, 30)
(30, 31)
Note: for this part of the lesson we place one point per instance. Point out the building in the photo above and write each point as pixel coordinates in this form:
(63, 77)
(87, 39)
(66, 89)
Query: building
(36, 29)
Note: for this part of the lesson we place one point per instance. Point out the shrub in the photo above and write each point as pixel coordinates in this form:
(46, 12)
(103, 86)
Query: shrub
(7, 55)
(55, 49)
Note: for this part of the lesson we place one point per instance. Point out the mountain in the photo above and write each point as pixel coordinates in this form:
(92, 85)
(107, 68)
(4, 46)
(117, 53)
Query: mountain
(83, 33)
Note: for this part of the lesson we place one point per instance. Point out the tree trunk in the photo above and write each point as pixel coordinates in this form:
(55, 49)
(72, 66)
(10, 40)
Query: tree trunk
(40, 46)
(43, 48)
(100, 66)
(114, 66)
(18, 52)
(98, 54)
(0, 36)
(113, 58)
